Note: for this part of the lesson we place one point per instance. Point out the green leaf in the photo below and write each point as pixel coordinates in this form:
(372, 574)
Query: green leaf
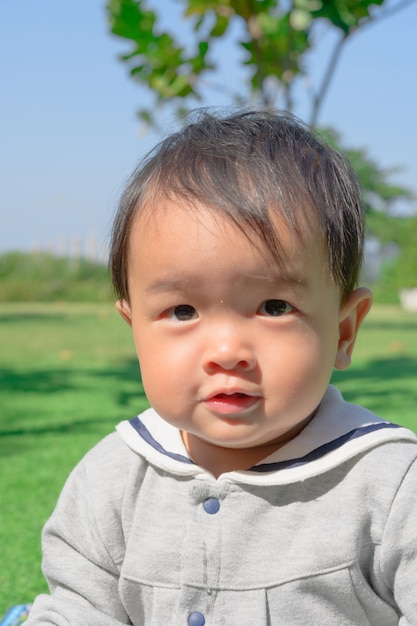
(128, 20)
(220, 26)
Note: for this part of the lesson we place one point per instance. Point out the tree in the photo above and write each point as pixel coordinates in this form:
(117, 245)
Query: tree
(400, 271)
(379, 196)
(276, 37)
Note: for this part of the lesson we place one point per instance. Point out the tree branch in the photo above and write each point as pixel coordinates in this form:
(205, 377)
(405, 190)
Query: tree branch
(334, 59)
(388, 12)
(323, 89)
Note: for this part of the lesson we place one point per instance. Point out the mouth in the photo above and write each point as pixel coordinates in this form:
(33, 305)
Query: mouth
(230, 403)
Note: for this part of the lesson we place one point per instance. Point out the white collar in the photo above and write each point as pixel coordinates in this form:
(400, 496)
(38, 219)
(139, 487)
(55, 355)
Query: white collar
(339, 431)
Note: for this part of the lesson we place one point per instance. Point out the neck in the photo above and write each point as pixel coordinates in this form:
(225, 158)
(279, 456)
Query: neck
(220, 460)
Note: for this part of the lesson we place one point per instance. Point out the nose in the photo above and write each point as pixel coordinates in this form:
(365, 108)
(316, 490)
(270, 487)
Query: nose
(229, 348)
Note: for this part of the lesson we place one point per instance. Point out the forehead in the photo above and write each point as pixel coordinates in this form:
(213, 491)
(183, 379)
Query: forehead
(173, 235)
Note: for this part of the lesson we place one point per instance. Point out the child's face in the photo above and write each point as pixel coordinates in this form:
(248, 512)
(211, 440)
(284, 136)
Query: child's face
(234, 351)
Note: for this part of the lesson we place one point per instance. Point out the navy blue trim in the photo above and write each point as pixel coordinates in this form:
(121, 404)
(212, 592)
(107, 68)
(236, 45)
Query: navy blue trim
(146, 435)
(270, 467)
(322, 450)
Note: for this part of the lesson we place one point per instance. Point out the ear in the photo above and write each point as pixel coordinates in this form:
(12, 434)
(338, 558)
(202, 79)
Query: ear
(124, 309)
(352, 314)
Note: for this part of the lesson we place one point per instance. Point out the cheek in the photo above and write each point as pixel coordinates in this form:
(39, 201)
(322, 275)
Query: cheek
(163, 365)
(308, 353)
(302, 370)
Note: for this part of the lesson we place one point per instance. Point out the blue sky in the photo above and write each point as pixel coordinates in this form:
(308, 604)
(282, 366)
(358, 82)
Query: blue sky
(70, 136)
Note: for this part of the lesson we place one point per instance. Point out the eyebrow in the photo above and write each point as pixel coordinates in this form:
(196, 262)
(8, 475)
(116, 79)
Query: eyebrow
(168, 285)
(174, 284)
(285, 278)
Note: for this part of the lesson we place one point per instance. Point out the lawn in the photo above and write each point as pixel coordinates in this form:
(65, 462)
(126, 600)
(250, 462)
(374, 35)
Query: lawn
(69, 374)
(383, 375)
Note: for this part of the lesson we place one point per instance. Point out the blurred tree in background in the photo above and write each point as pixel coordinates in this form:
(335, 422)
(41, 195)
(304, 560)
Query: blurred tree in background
(276, 39)
(44, 277)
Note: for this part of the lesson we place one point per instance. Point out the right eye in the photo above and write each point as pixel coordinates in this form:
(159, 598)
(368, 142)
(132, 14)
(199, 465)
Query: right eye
(182, 312)
(275, 308)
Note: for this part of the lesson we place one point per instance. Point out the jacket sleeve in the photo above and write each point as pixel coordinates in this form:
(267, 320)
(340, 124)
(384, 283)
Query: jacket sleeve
(83, 548)
(399, 548)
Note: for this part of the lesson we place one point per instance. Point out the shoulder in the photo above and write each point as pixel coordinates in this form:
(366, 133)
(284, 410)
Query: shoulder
(106, 472)
(100, 493)
(396, 463)
(108, 455)
(385, 468)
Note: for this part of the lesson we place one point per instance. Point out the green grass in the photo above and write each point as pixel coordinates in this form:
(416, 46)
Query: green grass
(383, 375)
(68, 374)
(43, 277)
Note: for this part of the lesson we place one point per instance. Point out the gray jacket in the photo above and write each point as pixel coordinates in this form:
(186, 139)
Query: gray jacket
(322, 532)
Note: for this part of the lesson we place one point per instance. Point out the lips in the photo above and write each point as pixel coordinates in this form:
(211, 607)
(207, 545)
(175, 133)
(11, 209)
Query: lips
(230, 403)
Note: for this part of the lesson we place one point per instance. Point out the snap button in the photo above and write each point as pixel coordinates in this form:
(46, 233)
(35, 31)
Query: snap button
(196, 619)
(211, 505)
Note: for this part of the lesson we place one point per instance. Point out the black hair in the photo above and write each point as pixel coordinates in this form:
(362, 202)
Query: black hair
(250, 167)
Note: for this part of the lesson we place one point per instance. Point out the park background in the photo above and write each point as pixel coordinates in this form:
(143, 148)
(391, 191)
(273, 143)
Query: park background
(70, 136)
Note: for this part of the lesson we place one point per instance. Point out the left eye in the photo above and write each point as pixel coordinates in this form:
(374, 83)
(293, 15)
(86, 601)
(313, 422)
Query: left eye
(182, 312)
(275, 308)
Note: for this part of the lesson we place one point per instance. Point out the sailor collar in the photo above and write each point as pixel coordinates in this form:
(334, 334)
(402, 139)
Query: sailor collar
(338, 432)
